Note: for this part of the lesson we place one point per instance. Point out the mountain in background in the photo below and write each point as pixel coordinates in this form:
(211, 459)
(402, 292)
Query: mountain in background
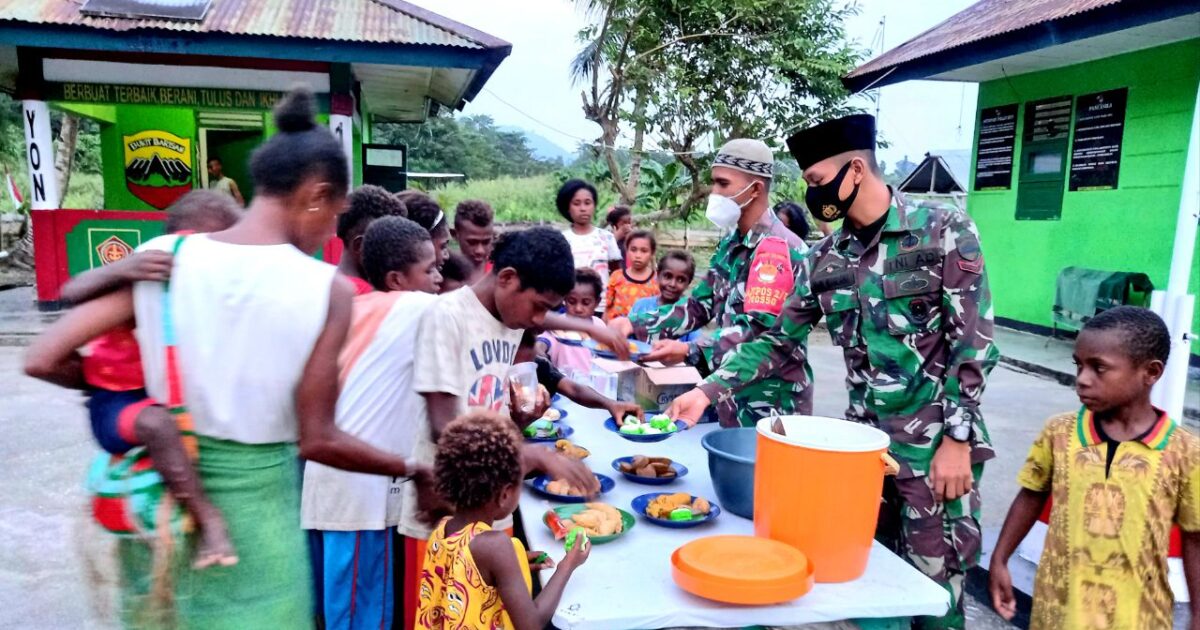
(542, 148)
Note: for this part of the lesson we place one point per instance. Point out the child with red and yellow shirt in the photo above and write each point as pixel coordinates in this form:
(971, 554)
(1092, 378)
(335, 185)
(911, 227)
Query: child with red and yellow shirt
(637, 280)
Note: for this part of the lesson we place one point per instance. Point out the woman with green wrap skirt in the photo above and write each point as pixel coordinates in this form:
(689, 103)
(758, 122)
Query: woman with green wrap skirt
(258, 324)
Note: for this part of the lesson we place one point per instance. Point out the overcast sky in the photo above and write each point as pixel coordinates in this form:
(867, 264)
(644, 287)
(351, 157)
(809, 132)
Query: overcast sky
(532, 89)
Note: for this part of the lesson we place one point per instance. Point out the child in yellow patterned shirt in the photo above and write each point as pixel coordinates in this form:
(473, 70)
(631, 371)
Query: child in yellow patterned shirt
(1119, 472)
(474, 577)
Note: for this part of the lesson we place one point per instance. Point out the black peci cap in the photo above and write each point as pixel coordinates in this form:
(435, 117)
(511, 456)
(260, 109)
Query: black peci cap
(832, 137)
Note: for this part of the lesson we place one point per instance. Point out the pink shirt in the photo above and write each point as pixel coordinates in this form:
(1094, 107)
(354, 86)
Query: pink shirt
(567, 358)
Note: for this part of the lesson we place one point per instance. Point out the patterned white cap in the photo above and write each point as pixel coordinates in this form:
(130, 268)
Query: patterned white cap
(748, 156)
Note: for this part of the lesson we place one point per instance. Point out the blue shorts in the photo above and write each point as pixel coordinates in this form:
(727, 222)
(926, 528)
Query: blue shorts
(352, 572)
(113, 415)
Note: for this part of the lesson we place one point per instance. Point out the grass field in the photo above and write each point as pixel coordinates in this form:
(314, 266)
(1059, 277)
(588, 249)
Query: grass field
(86, 191)
(531, 200)
(515, 200)
(522, 201)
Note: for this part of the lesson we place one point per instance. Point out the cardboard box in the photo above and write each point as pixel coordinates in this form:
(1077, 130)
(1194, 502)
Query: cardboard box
(653, 386)
(622, 378)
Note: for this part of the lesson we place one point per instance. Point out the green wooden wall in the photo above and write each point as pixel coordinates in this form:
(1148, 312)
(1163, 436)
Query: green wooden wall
(1131, 228)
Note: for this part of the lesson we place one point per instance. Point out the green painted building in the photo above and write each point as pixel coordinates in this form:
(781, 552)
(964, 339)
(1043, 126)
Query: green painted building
(173, 85)
(1083, 121)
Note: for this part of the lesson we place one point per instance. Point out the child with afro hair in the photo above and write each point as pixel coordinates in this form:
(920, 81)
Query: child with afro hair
(363, 206)
(474, 576)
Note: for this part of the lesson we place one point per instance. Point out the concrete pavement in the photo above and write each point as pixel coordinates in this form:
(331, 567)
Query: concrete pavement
(55, 560)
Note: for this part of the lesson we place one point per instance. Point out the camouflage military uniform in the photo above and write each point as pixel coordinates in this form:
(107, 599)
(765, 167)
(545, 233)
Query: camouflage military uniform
(721, 296)
(913, 315)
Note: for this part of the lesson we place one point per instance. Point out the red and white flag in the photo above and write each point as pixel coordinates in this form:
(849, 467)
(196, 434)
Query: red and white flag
(14, 193)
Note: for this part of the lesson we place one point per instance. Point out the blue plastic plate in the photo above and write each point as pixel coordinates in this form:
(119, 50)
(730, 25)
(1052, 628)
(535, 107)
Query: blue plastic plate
(594, 346)
(564, 431)
(611, 425)
(641, 503)
(539, 484)
(680, 471)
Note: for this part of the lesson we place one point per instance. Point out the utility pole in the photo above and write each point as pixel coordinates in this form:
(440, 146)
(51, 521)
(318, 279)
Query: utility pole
(879, 51)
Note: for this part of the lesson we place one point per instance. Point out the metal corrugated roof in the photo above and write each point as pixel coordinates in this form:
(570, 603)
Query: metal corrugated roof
(984, 19)
(369, 21)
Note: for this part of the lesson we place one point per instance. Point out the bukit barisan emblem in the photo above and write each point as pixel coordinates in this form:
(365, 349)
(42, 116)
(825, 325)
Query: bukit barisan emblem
(158, 167)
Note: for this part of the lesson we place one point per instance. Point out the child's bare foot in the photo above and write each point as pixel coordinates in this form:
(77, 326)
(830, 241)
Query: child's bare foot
(214, 548)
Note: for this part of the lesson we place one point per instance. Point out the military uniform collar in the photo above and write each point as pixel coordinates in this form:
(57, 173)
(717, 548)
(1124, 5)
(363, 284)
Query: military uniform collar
(757, 232)
(897, 221)
(1155, 438)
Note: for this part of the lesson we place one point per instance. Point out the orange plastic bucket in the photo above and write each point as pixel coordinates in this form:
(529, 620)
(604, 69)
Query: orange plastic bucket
(817, 489)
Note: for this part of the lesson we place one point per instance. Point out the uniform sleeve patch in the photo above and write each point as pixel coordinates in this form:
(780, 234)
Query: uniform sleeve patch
(974, 266)
(770, 280)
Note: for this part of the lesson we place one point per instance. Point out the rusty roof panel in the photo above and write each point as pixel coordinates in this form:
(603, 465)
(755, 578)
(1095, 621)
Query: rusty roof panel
(986, 18)
(369, 21)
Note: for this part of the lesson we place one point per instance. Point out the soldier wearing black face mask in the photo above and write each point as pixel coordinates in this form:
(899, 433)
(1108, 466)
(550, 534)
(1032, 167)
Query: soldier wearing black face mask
(904, 292)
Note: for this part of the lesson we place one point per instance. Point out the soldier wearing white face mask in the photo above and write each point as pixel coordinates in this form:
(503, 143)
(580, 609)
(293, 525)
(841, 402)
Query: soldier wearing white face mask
(750, 275)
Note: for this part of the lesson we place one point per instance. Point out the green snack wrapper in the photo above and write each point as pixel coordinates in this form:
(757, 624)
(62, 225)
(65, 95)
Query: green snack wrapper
(577, 534)
(681, 514)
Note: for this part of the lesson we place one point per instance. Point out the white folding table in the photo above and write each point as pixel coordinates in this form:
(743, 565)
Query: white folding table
(627, 583)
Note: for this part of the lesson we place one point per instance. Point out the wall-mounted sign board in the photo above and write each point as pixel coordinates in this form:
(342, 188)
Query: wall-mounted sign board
(1096, 150)
(994, 155)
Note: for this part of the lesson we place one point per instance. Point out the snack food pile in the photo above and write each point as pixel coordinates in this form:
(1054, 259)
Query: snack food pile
(558, 486)
(599, 519)
(552, 414)
(655, 425)
(653, 467)
(573, 451)
(678, 507)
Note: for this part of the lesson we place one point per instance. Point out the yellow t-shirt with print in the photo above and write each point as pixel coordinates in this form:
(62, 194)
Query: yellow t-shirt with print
(451, 593)
(1104, 564)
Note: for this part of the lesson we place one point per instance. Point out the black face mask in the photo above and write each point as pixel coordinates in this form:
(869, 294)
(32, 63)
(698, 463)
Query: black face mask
(823, 200)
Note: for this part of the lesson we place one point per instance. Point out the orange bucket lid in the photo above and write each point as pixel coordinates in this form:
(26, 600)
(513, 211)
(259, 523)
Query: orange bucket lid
(742, 570)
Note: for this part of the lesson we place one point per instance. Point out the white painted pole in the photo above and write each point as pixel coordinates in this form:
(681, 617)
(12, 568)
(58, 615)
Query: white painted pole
(1177, 303)
(1158, 301)
(342, 127)
(1161, 304)
(1175, 376)
(39, 155)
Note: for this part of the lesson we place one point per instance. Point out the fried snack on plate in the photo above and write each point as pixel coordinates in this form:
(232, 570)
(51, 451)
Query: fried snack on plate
(662, 506)
(559, 486)
(597, 519)
(574, 451)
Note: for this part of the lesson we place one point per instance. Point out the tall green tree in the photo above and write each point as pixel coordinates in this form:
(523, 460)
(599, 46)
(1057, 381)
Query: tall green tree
(698, 72)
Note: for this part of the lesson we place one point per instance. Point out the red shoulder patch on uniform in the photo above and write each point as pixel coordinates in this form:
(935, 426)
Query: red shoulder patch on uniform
(770, 280)
(971, 266)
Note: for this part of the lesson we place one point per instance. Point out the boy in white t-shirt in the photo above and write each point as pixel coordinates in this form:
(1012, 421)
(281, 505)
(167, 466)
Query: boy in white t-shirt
(349, 514)
(465, 346)
(591, 247)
